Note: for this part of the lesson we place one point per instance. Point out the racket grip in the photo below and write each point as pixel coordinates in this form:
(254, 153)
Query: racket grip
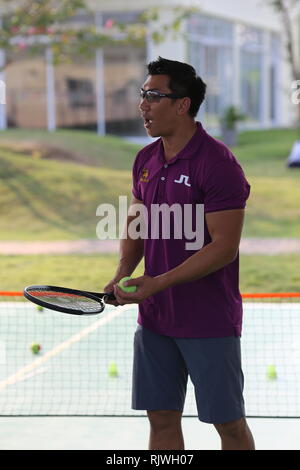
(103, 295)
(107, 297)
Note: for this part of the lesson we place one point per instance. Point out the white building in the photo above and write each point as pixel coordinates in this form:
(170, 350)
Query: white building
(237, 47)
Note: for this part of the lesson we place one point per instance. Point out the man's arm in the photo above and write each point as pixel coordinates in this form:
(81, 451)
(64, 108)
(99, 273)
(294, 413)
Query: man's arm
(225, 229)
(131, 252)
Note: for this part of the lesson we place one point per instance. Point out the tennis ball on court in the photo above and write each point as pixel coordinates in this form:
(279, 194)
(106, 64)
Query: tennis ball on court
(35, 348)
(271, 372)
(124, 288)
(39, 308)
(113, 370)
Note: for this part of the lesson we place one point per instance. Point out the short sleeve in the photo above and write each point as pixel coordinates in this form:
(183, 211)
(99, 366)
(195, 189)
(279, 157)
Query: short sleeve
(225, 187)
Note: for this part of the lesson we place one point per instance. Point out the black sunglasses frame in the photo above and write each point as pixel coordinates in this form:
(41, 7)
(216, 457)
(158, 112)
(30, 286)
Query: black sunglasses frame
(156, 96)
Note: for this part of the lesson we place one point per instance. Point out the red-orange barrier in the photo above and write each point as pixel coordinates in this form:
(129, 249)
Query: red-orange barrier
(261, 295)
(279, 295)
(11, 294)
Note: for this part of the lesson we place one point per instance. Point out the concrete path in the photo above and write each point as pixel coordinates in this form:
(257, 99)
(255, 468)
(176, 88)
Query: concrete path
(106, 433)
(58, 247)
(268, 246)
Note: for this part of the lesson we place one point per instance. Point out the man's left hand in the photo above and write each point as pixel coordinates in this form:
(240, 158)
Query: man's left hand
(146, 286)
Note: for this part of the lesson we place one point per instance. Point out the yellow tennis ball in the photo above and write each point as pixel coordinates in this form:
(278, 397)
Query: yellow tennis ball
(113, 370)
(271, 372)
(35, 348)
(124, 288)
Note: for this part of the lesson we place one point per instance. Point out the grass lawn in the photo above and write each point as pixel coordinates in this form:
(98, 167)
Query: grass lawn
(92, 272)
(47, 199)
(50, 200)
(85, 147)
(273, 209)
(56, 199)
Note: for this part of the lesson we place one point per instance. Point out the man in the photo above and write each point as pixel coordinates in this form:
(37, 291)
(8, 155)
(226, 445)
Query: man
(190, 309)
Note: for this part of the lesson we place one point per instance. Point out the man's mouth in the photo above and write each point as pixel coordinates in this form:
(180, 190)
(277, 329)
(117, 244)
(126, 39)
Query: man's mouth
(147, 123)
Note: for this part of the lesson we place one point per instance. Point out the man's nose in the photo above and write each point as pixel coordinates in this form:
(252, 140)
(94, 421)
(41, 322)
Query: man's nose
(144, 104)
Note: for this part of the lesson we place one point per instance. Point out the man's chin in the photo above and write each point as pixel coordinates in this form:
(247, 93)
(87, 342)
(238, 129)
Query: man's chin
(152, 134)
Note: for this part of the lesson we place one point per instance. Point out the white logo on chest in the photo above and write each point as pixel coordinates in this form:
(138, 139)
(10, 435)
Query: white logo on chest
(183, 180)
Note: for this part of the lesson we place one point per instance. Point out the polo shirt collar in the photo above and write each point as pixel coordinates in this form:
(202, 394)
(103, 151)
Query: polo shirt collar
(188, 151)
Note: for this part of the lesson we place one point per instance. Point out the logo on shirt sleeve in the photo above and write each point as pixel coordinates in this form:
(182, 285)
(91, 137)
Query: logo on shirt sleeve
(145, 176)
(183, 180)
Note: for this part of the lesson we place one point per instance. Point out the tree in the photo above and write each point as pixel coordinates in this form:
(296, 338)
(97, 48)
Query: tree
(287, 10)
(33, 25)
(64, 29)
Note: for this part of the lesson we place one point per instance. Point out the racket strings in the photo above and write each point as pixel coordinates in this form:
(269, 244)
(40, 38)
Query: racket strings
(68, 300)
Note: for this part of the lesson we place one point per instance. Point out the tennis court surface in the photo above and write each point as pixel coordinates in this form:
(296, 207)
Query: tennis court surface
(83, 368)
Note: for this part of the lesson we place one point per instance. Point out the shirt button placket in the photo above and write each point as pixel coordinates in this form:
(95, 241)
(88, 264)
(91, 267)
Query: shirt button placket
(162, 184)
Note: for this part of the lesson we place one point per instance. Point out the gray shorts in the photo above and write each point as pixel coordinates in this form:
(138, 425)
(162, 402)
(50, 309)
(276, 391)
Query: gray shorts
(162, 365)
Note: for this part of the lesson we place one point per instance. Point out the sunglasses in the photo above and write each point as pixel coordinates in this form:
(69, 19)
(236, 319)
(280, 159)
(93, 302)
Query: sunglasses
(153, 96)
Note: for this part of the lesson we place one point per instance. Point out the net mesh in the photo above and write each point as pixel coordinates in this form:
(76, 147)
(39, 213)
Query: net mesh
(64, 365)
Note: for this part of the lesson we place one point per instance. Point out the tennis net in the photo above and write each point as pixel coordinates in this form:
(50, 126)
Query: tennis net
(53, 364)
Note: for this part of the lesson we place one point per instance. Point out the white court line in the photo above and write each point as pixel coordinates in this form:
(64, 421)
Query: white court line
(19, 375)
(32, 374)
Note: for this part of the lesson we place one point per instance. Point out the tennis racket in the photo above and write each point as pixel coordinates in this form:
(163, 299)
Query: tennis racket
(62, 299)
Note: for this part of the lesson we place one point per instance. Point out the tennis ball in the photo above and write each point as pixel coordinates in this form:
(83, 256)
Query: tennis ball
(124, 288)
(271, 372)
(39, 308)
(35, 348)
(113, 370)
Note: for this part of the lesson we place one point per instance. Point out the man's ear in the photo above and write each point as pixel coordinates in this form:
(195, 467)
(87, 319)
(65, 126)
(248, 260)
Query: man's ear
(184, 105)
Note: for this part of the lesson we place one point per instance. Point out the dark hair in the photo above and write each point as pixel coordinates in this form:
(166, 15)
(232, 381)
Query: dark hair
(184, 81)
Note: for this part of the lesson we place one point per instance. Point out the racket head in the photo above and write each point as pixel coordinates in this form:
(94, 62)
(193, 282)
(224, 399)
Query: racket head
(63, 299)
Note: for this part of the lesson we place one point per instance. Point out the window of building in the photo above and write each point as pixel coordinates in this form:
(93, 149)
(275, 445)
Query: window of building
(251, 84)
(274, 72)
(80, 93)
(251, 45)
(211, 53)
(216, 46)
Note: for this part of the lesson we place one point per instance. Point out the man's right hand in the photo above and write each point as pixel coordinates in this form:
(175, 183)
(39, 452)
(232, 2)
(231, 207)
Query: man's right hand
(109, 289)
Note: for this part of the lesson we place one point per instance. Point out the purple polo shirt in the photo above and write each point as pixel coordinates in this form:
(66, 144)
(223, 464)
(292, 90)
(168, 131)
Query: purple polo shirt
(204, 172)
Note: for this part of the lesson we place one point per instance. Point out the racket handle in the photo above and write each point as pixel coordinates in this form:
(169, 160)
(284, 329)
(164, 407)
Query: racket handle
(107, 297)
(104, 296)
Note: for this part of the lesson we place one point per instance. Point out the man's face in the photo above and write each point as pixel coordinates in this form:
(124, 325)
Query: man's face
(160, 118)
